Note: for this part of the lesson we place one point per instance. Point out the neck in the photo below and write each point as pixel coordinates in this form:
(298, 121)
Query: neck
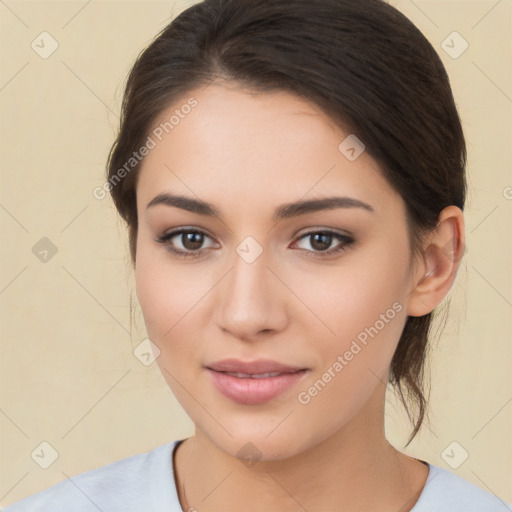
(353, 469)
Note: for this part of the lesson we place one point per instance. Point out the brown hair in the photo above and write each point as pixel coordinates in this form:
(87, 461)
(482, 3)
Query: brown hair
(363, 63)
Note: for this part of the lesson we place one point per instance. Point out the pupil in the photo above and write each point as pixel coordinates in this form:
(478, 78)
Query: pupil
(193, 241)
(324, 243)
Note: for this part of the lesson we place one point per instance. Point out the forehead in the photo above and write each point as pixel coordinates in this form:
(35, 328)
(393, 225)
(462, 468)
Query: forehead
(270, 147)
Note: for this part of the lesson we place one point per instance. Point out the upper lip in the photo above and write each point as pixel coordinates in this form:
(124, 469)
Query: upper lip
(252, 367)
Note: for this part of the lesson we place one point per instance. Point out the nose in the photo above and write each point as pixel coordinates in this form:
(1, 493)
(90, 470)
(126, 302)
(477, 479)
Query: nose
(252, 300)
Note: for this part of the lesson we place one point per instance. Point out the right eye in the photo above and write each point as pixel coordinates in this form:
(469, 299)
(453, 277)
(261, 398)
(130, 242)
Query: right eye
(190, 240)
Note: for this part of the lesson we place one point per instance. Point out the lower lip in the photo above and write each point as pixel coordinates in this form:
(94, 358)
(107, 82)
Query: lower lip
(254, 391)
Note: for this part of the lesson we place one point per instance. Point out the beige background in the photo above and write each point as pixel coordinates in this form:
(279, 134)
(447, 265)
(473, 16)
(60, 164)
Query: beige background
(68, 374)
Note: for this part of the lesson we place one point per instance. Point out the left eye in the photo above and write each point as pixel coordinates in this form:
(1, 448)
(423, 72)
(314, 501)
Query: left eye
(320, 241)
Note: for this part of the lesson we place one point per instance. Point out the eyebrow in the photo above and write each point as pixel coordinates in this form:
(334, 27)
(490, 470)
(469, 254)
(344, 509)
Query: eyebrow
(284, 211)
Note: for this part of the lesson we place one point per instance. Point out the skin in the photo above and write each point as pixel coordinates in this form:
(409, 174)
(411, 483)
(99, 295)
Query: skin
(246, 154)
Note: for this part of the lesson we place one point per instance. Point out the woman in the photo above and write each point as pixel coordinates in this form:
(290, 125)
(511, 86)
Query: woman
(292, 175)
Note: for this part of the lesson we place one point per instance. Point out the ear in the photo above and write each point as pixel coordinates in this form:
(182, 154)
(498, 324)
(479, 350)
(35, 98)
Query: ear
(435, 273)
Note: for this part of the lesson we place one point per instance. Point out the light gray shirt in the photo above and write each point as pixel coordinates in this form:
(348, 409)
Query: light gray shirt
(145, 483)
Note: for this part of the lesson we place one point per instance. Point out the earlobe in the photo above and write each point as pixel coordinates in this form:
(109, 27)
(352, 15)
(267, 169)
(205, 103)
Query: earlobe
(444, 248)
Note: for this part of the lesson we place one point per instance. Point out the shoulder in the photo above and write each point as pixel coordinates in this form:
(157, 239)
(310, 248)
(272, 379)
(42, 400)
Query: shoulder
(126, 485)
(445, 491)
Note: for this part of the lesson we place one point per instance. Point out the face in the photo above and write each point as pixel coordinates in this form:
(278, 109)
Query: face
(321, 288)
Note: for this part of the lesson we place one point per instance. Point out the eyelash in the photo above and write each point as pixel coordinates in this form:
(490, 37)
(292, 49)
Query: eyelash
(163, 239)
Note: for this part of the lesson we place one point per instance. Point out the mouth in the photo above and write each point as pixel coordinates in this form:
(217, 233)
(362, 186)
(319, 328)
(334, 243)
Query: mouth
(252, 387)
(254, 375)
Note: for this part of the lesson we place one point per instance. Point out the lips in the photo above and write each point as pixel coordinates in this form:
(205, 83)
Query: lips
(253, 368)
(256, 382)
(253, 375)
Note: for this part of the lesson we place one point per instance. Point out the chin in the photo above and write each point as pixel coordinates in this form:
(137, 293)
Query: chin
(251, 444)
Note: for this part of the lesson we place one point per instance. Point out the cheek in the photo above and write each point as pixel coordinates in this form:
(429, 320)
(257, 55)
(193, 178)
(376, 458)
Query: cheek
(172, 298)
(353, 295)
(361, 308)
(165, 293)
